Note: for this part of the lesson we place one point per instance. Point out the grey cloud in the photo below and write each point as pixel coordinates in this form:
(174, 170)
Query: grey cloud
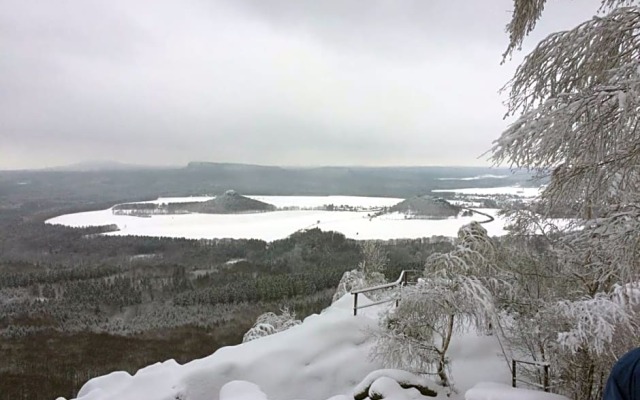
(300, 82)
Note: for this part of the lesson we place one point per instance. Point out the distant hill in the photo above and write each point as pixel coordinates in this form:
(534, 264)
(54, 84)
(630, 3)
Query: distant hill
(426, 207)
(228, 203)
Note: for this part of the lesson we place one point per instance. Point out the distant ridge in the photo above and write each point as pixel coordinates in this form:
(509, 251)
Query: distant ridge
(102, 165)
(205, 165)
(122, 182)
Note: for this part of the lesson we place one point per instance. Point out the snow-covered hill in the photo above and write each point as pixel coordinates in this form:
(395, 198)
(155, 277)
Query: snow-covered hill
(324, 357)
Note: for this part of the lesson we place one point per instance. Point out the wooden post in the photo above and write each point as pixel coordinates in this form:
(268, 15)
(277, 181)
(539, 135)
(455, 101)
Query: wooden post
(545, 382)
(355, 304)
(513, 373)
(404, 279)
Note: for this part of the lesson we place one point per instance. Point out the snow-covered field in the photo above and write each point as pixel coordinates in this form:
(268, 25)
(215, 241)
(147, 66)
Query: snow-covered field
(323, 358)
(319, 201)
(297, 201)
(275, 225)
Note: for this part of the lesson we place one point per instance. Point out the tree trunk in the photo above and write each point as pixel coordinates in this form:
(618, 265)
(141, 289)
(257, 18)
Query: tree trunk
(442, 362)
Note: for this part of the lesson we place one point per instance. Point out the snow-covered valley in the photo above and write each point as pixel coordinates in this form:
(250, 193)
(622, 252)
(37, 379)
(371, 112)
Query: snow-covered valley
(294, 213)
(329, 355)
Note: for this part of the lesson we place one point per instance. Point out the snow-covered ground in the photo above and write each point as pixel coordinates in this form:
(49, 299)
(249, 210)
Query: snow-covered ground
(275, 225)
(497, 391)
(324, 357)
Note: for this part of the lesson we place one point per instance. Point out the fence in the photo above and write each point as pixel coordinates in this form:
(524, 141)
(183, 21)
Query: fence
(403, 280)
(545, 376)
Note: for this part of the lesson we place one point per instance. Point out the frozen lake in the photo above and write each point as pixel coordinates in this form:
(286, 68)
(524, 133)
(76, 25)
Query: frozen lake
(275, 225)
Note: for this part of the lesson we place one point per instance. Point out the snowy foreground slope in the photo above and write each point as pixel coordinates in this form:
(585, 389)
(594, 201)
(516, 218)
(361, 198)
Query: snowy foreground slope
(324, 357)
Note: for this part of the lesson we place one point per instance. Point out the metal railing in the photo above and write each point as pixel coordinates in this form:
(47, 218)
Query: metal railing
(545, 377)
(403, 280)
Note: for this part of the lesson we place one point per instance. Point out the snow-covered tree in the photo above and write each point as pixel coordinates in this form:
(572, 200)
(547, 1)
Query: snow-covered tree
(455, 294)
(576, 97)
(270, 323)
(374, 260)
(369, 272)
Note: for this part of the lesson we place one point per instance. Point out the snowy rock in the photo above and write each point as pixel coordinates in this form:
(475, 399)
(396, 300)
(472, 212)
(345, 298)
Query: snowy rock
(241, 390)
(117, 378)
(270, 323)
(385, 388)
(402, 379)
(350, 280)
(356, 279)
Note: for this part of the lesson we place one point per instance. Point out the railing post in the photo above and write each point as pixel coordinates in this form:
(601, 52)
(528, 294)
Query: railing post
(403, 284)
(355, 304)
(513, 373)
(545, 382)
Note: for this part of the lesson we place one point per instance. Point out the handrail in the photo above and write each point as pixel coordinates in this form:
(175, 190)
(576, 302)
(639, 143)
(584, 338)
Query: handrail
(401, 281)
(536, 363)
(545, 377)
(376, 303)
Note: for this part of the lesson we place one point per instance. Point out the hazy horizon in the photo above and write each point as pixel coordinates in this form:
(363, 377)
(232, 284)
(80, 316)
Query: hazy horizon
(309, 83)
(112, 164)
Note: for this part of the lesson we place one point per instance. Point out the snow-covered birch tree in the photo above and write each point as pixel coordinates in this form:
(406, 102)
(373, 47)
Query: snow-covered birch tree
(576, 97)
(454, 295)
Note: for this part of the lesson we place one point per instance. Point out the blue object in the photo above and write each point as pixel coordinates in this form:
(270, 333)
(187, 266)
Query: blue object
(624, 380)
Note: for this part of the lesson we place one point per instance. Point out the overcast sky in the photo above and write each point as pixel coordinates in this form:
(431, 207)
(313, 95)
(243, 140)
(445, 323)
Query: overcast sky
(280, 82)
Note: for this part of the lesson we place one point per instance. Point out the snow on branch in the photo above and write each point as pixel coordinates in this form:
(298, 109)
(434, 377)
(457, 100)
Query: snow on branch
(574, 60)
(588, 142)
(523, 20)
(591, 322)
(526, 14)
(606, 249)
(627, 295)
